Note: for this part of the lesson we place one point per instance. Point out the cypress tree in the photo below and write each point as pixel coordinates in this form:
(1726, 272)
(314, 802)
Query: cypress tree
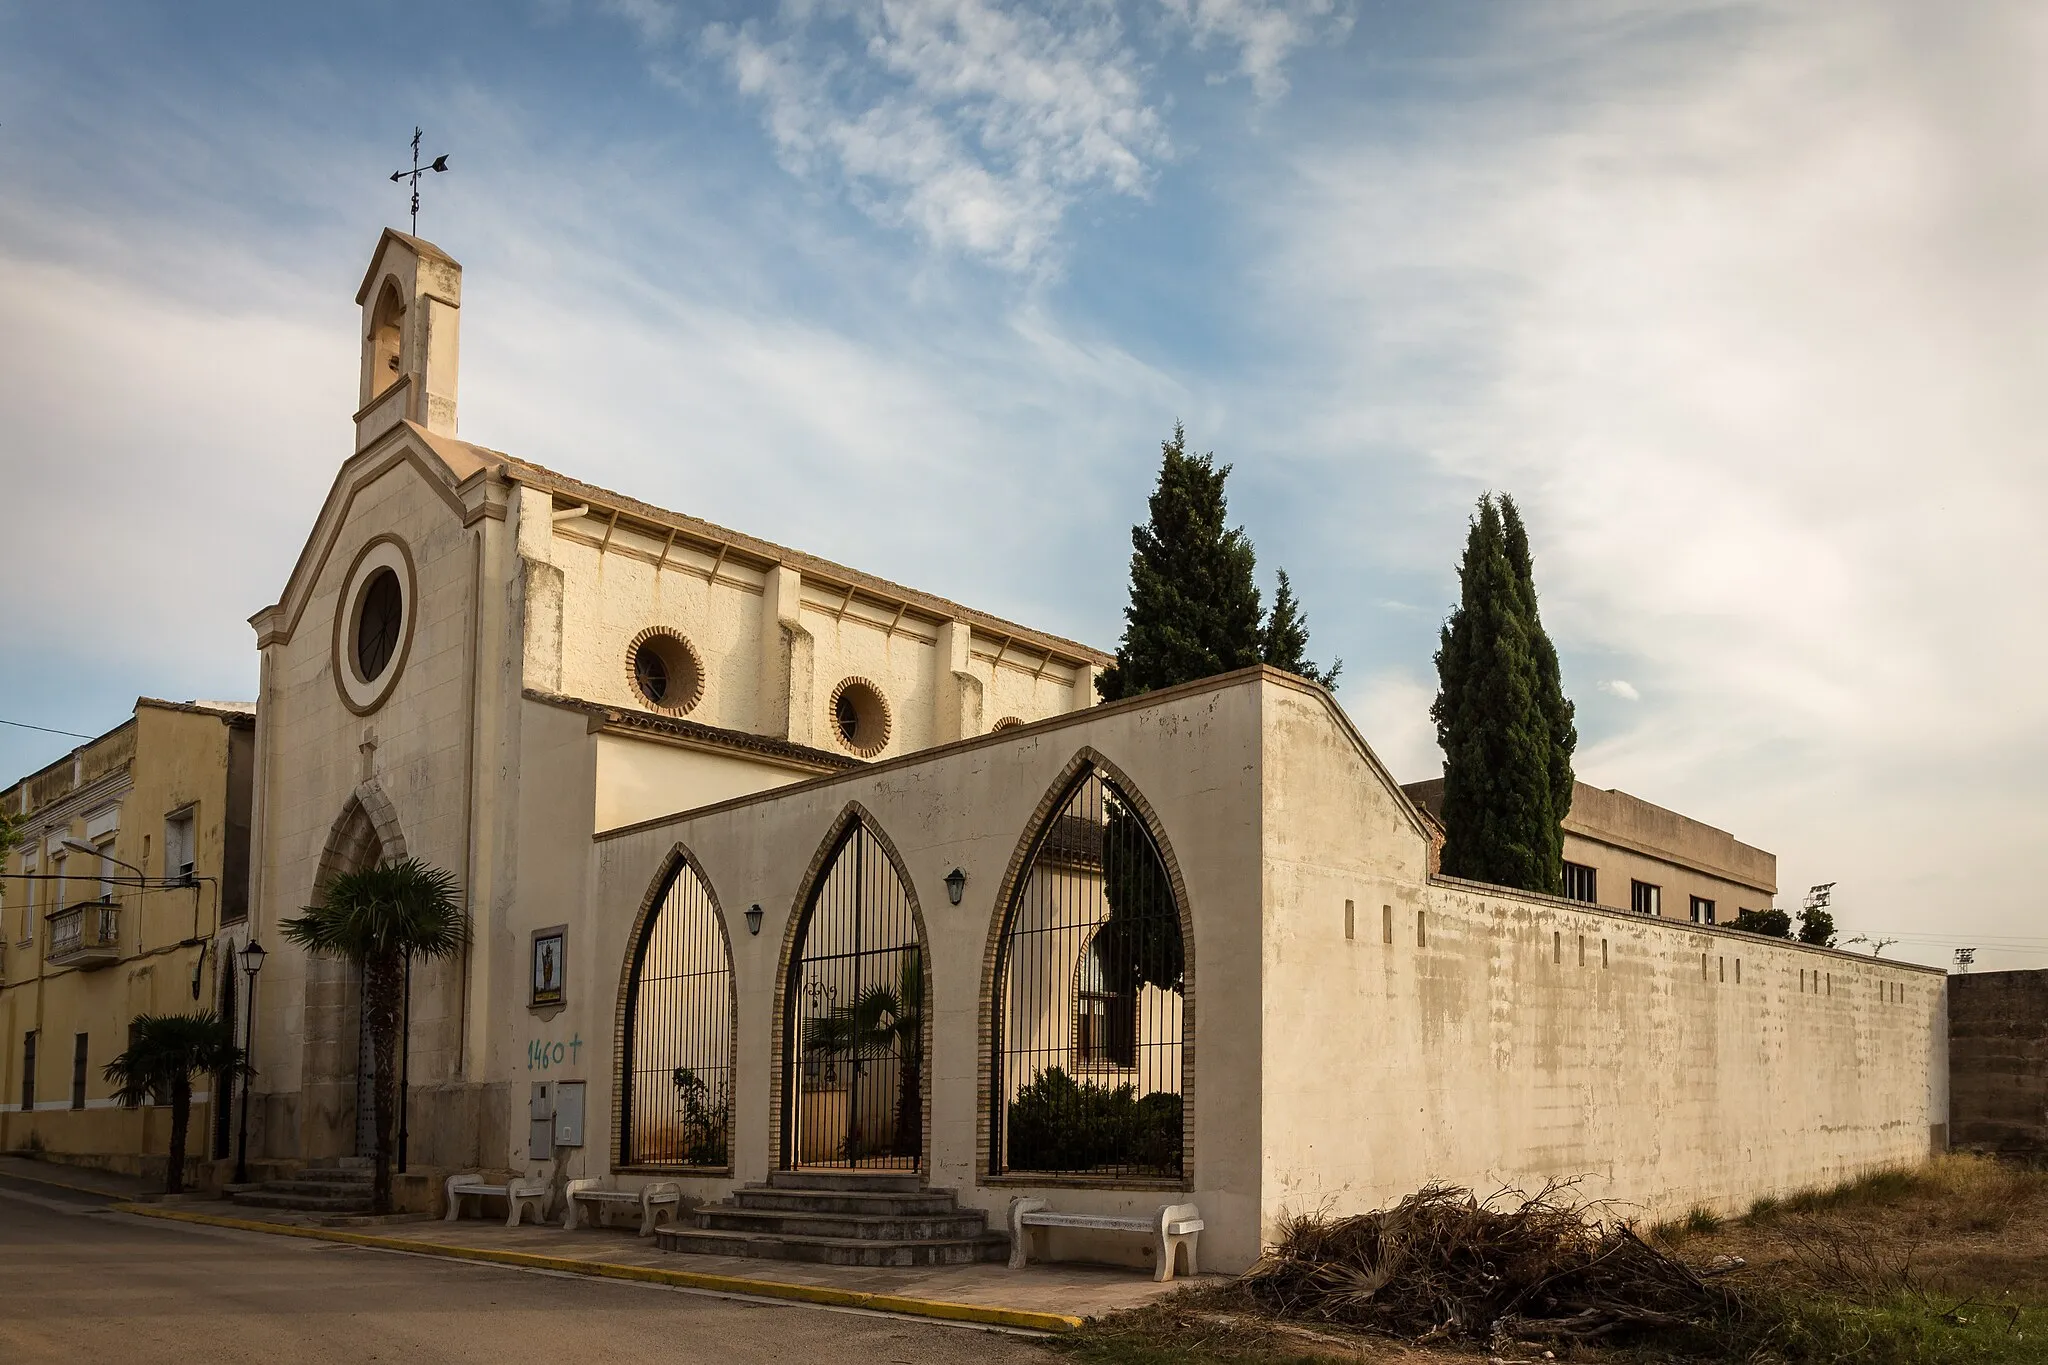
(1558, 711)
(1194, 609)
(1286, 642)
(1500, 821)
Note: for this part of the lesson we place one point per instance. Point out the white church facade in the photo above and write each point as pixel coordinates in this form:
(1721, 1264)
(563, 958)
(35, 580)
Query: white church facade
(773, 865)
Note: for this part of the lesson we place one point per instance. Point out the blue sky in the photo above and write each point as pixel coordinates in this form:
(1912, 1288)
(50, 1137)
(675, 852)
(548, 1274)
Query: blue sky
(1736, 298)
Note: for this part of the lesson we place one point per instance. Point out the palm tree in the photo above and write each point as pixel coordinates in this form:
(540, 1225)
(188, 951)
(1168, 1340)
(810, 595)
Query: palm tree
(164, 1050)
(378, 918)
(883, 1021)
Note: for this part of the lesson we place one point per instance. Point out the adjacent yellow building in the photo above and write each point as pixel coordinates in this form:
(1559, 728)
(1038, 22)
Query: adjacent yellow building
(134, 853)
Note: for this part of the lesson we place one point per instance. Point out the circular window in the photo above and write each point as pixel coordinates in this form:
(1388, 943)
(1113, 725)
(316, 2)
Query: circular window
(664, 671)
(377, 624)
(373, 624)
(860, 717)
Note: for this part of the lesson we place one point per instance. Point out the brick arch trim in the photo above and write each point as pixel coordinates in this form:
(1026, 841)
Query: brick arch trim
(829, 848)
(678, 860)
(366, 833)
(1088, 759)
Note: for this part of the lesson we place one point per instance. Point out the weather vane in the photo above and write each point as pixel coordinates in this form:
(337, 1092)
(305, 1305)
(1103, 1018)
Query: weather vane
(439, 163)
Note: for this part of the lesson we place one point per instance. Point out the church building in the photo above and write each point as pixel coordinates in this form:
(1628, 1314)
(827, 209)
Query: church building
(777, 867)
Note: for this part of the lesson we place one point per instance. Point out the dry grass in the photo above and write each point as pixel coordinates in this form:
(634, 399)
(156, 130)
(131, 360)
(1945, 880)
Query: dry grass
(1964, 1226)
(1942, 1264)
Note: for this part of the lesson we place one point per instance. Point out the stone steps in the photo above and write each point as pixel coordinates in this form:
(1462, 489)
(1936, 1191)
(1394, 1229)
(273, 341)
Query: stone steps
(845, 1201)
(306, 1203)
(866, 1227)
(872, 1182)
(343, 1187)
(847, 1251)
(850, 1218)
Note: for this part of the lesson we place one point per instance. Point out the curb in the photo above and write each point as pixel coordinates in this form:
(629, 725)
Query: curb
(1023, 1318)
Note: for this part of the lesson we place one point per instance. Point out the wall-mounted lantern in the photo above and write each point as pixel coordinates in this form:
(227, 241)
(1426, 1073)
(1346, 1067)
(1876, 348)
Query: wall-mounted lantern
(956, 885)
(754, 920)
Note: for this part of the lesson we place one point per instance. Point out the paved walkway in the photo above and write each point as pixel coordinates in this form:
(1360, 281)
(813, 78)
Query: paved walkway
(85, 1282)
(1039, 1296)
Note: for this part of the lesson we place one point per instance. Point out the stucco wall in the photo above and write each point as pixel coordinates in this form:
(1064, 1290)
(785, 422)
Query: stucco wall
(965, 806)
(641, 779)
(1482, 1048)
(773, 646)
(414, 748)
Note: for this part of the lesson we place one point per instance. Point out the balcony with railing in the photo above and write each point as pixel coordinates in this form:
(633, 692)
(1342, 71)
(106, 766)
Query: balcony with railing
(85, 935)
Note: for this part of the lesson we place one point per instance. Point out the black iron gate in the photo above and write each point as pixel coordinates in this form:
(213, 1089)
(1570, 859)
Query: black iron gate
(676, 1073)
(1089, 1021)
(854, 1027)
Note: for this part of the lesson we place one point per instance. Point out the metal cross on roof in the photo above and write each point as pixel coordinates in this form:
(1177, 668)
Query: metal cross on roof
(439, 163)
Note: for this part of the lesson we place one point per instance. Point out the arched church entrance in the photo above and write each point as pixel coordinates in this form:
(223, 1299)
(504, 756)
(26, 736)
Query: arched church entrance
(340, 1060)
(856, 1021)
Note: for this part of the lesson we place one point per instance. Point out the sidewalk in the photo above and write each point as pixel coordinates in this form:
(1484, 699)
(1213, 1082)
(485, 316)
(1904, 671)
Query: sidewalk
(78, 1179)
(1039, 1297)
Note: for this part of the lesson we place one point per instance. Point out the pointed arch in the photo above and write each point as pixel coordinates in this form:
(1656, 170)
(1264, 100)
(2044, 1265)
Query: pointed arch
(1092, 821)
(676, 1028)
(843, 1084)
(365, 834)
(339, 1075)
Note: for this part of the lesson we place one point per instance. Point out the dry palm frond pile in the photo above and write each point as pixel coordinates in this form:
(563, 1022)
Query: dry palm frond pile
(1443, 1263)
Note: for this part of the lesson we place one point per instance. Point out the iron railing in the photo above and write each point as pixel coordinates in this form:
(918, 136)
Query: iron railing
(677, 1071)
(854, 1027)
(1088, 1014)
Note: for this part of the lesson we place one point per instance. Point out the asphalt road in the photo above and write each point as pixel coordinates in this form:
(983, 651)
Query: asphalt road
(79, 1283)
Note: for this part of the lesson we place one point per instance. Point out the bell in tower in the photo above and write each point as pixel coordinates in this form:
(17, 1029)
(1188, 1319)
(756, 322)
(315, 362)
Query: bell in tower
(412, 304)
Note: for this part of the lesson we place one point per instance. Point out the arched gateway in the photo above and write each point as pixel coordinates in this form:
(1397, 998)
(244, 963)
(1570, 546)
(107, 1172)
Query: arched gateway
(339, 1058)
(677, 1035)
(1089, 1008)
(856, 1022)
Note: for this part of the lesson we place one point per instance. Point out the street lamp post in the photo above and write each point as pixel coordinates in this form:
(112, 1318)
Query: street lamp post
(252, 963)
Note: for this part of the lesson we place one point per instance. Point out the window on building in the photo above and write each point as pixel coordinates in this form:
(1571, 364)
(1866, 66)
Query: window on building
(28, 1071)
(57, 887)
(106, 852)
(1581, 883)
(1702, 910)
(30, 895)
(178, 849)
(78, 1071)
(1106, 1018)
(1645, 899)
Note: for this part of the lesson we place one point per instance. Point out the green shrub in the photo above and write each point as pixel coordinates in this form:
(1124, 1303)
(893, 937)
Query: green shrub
(1060, 1124)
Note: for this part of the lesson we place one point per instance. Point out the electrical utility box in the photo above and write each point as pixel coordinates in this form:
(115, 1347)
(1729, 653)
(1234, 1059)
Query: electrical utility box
(568, 1113)
(540, 1126)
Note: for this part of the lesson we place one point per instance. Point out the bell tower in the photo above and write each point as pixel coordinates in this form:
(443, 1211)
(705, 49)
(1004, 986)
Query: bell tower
(412, 307)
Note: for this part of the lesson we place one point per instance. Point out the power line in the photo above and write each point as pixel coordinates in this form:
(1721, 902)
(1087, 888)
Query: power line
(46, 729)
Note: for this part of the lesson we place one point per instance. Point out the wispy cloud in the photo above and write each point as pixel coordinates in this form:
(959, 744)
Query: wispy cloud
(975, 123)
(654, 21)
(1264, 32)
(1619, 687)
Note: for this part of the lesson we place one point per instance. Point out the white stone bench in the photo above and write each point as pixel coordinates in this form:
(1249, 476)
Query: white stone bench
(519, 1195)
(653, 1201)
(1174, 1227)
